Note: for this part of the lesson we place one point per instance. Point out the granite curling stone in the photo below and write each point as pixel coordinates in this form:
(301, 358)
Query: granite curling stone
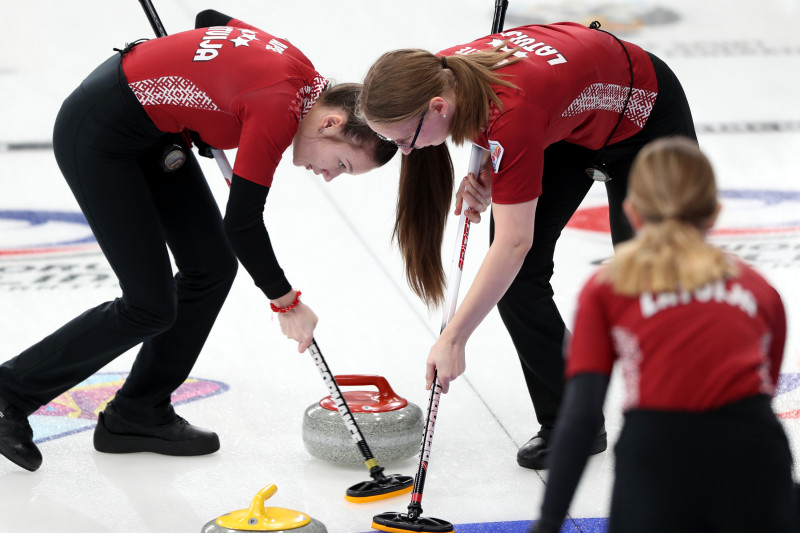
(258, 517)
(392, 426)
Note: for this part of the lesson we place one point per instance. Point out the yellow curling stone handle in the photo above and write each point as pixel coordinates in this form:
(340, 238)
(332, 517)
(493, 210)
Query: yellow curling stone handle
(261, 518)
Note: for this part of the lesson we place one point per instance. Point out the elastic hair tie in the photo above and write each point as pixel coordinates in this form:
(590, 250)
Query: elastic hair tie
(444, 62)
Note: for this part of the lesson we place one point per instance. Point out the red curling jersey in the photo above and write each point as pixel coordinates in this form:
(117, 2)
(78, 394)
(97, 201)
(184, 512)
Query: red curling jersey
(683, 351)
(236, 85)
(572, 83)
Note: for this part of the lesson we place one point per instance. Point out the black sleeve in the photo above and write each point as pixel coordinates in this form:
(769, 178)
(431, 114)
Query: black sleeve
(580, 418)
(244, 226)
(209, 17)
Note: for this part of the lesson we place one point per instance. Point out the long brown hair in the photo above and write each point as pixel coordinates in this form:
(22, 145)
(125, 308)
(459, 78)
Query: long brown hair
(355, 131)
(672, 187)
(400, 85)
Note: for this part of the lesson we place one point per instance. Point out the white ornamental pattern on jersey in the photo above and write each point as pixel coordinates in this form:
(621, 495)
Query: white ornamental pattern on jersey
(626, 344)
(307, 96)
(172, 90)
(609, 97)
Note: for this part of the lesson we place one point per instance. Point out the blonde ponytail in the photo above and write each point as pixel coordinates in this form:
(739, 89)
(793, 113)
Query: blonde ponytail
(672, 188)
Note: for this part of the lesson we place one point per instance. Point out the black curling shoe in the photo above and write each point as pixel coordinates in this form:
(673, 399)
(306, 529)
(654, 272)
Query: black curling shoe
(534, 453)
(16, 439)
(114, 434)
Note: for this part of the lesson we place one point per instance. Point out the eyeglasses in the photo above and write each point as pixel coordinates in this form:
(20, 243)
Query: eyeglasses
(413, 140)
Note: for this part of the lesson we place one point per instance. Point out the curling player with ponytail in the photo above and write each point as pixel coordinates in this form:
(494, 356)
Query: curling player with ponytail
(698, 337)
(556, 108)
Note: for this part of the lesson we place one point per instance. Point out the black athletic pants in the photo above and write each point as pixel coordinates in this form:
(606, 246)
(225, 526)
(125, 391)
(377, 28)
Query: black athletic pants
(725, 471)
(527, 309)
(108, 150)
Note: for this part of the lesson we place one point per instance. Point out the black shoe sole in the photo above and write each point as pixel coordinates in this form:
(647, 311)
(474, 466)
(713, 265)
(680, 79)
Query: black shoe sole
(108, 442)
(533, 465)
(29, 465)
(598, 446)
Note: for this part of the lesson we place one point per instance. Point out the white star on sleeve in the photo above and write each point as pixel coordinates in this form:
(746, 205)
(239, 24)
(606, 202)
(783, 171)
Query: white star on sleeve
(240, 41)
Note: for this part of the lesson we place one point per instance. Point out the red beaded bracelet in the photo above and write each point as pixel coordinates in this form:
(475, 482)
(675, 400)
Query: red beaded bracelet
(288, 307)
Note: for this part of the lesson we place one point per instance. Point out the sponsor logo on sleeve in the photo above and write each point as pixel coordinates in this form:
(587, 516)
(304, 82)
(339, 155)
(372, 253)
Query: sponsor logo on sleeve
(496, 150)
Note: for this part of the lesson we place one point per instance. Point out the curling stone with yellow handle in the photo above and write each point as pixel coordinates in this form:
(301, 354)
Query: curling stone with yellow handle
(258, 517)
